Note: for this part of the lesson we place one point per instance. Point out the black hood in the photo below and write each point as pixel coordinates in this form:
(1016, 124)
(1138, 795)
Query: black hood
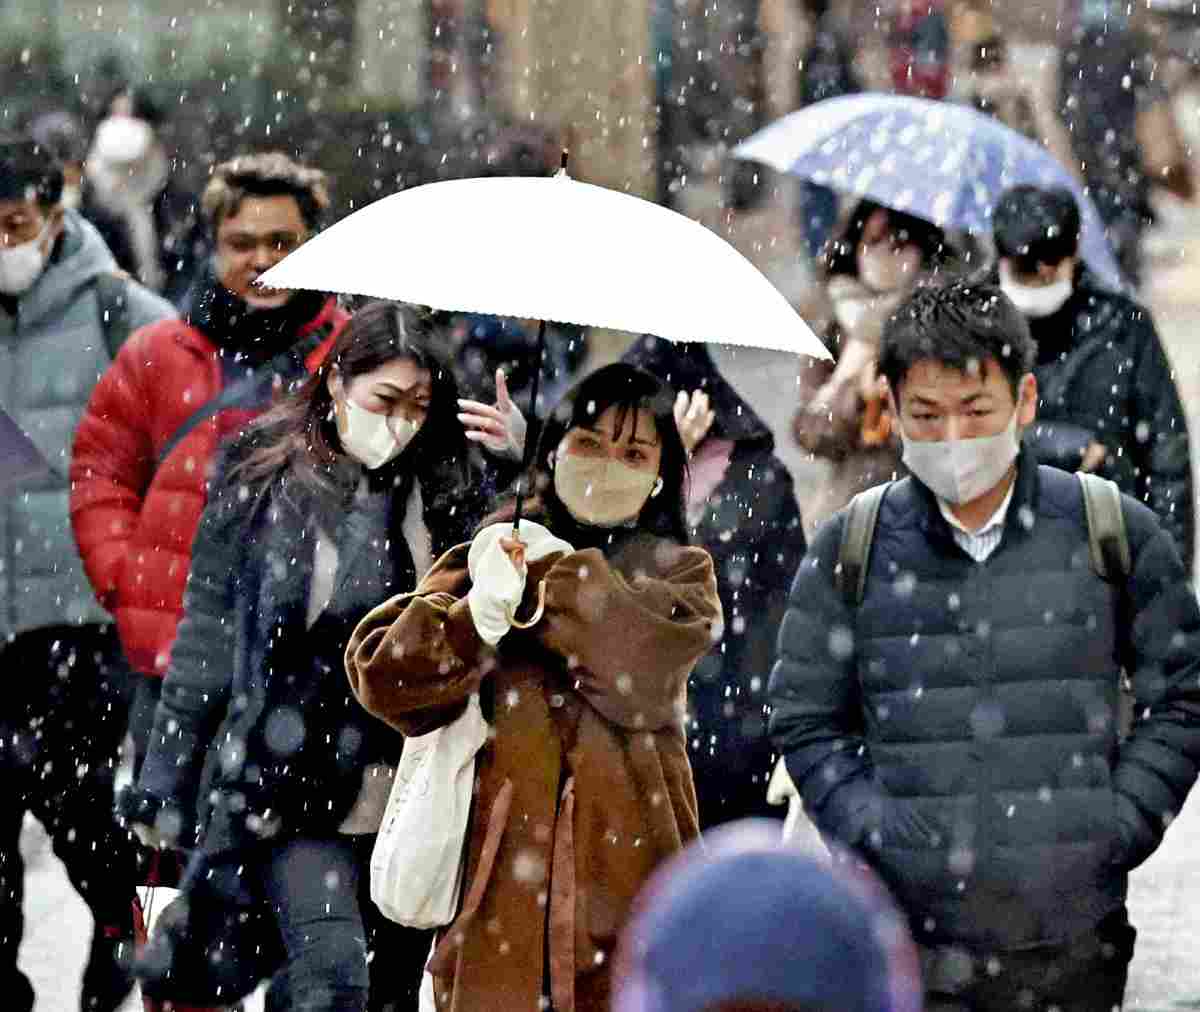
(689, 366)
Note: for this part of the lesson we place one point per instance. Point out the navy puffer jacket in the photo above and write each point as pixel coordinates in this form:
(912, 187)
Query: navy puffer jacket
(960, 729)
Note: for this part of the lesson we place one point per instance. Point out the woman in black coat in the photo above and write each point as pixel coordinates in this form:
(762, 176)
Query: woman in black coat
(741, 508)
(337, 499)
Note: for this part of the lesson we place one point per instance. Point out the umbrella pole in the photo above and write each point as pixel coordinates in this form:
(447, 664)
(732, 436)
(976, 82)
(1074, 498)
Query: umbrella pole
(527, 463)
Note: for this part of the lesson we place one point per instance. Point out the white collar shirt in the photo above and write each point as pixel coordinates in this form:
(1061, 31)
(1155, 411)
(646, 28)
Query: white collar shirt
(982, 543)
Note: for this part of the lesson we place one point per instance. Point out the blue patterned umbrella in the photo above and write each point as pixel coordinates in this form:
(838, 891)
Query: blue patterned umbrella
(939, 161)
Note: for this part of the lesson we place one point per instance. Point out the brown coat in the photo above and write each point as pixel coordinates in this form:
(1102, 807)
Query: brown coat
(585, 786)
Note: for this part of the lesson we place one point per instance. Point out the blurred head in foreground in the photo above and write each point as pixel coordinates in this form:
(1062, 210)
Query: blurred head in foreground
(747, 923)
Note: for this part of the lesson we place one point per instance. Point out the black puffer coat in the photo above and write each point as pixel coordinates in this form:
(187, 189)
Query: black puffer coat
(959, 728)
(257, 731)
(1103, 376)
(751, 527)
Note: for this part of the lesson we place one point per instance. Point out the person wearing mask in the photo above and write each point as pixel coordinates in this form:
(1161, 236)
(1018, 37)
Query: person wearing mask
(149, 223)
(806, 935)
(64, 312)
(150, 432)
(1108, 399)
(579, 639)
(870, 268)
(340, 496)
(947, 703)
(741, 508)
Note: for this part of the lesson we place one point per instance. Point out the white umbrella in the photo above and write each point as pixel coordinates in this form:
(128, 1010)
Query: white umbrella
(550, 249)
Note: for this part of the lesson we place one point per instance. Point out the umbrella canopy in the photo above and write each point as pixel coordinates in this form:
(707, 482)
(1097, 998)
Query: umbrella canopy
(20, 460)
(940, 161)
(550, 249)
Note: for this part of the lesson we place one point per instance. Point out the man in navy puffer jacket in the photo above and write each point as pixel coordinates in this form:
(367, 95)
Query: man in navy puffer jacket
(957, 724)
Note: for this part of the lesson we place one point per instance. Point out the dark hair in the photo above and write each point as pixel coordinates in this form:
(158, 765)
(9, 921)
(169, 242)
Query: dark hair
(956, 324)
(271, 174)
(299, 435)
(29, 170)
(840, 255)
(1035, 226)
(628, 388)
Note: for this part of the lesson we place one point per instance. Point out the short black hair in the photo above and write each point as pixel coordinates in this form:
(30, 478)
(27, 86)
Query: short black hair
(957, 324)
(29, 170)
(1034, 225)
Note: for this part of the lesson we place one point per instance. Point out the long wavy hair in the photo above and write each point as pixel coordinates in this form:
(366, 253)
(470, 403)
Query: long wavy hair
(629, 388)
(298, 437)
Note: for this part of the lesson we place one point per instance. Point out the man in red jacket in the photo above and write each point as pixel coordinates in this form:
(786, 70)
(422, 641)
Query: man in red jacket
(176, 390)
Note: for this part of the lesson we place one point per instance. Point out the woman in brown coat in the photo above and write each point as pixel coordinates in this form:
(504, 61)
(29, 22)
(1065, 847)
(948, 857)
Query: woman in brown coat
(584, 786)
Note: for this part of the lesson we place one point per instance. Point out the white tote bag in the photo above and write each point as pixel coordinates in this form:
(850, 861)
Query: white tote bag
(417, 863)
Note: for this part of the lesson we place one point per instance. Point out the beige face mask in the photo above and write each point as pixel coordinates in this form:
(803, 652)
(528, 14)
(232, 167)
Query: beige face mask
(602, 492)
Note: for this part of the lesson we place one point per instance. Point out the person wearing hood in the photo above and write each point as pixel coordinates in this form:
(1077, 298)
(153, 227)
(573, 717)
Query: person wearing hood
(579, 640)
(151, 226)
(870, 268)
(741, 508)
(1108, 400)
(342, 495)
(64, 312)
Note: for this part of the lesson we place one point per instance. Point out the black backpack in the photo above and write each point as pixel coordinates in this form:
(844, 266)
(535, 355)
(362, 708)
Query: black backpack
(1108, 547)
(1108, 542)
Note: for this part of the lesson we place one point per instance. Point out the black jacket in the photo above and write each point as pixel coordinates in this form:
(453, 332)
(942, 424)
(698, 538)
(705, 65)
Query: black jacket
(751, 527)
(257, 731)
(1103, 376)
(959, 728)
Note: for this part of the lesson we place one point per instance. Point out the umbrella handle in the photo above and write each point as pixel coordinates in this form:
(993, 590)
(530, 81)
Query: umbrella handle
(530, 452)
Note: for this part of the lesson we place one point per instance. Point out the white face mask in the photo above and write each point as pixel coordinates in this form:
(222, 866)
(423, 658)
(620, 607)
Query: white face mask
(961, 470)
(1035, 302)
(122, 140)
(883, 269)
(370, 438)
(602, 492)
(21, 266)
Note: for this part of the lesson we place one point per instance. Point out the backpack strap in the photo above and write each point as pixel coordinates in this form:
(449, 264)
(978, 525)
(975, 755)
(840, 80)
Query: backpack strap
(112, 303)
(291, 362)
(854, 555)
(1108, 541)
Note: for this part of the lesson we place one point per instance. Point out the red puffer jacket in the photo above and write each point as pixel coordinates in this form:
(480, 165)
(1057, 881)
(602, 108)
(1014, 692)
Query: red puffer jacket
(134, 523)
